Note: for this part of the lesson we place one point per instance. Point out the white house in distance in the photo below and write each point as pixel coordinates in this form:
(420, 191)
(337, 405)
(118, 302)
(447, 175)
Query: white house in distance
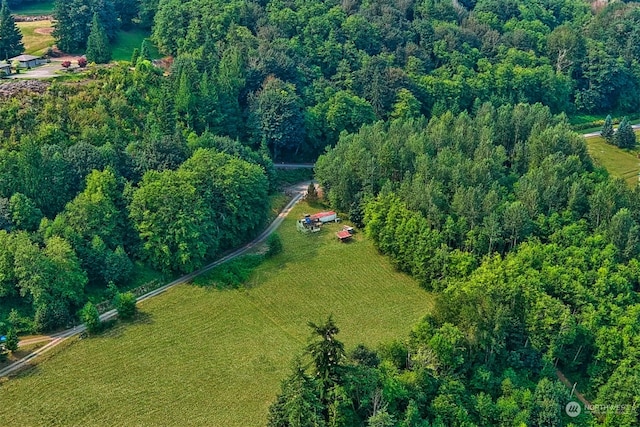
(27, 61)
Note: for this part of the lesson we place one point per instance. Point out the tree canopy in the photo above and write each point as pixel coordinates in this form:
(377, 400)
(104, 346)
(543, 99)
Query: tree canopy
(10, 36)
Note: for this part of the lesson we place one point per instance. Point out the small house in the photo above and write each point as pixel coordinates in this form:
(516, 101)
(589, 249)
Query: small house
(27, 61)
(6, 68)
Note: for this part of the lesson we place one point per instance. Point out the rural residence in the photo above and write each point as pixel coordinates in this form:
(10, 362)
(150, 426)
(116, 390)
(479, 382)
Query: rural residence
(27, 61)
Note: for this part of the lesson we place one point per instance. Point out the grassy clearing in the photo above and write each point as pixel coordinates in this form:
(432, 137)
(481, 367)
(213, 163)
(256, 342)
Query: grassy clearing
(621, 163)
(205, 357)
(31, 9)
(127, 41)
(36, 43)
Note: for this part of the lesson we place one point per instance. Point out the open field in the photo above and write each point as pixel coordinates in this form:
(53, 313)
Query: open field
(31, 9)
(36, 36)
(621, 163)
(126, 41)
(205, 357)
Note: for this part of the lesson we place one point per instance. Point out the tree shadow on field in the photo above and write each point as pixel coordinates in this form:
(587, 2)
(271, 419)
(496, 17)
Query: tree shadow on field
(24, 372)
(142, 318)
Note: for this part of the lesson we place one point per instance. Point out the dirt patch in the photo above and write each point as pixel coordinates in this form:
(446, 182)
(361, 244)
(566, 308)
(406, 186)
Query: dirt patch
(44, 31)
(14, 87)
(32, 18)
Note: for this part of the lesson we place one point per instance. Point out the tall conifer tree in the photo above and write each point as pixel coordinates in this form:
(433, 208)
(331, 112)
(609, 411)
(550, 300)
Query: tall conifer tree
(98, 49)
(625, 137)
(607, 130)
(10, 35)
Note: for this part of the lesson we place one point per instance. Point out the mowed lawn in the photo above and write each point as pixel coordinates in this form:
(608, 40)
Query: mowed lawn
(36, 36)
(126, 41)
(40, 8)
(205, 357)
(620, 163)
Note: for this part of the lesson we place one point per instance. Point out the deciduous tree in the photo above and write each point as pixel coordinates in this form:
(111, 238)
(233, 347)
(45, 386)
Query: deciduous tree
(91, 318)
(277, 118)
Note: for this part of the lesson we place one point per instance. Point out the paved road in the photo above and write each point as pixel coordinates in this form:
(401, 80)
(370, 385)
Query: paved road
(298, 190)
(588, 135)
(293, 165)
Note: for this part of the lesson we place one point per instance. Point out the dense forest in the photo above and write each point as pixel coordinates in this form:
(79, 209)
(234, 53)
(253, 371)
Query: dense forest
(445, 137)
(533, 252)
(100, 177)
(338, 65)
(292, 75)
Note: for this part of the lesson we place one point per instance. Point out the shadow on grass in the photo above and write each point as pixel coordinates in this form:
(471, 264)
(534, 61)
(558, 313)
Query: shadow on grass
(230, 275)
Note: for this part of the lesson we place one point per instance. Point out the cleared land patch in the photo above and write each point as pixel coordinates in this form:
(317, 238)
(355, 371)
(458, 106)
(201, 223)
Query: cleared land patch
(127, 41)
(205, 357)
(36, 36)
(621, 163)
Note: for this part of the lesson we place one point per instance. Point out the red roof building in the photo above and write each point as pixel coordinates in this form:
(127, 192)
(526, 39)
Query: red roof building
(343, 235)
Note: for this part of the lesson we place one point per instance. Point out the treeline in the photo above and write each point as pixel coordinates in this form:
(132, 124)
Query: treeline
(430, 379)
(74, 20)
(487, 354)
(321, 67)
(533, 250)
(98, 177)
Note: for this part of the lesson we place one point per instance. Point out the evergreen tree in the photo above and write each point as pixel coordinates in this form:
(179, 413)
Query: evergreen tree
(12, 340)
(10, 35)
(625, 137)
(607, 130)
(312, 194)
(134, 56)
(298, 404)
(108, 16)
(98, 49)
(144, 50)
(72, 23)
(327, 353)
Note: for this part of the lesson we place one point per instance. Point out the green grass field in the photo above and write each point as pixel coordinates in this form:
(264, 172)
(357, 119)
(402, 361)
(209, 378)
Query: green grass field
(31, 9)
(36, 36)
(126, 41)
(620, 163)
(205, 357)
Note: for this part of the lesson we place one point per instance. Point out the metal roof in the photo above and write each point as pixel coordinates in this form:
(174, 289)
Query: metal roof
(322, 214)
(24, 58)
(343, 234)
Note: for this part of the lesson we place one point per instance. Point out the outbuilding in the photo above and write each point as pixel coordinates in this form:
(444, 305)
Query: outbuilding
(324, 217)
(26, 61)
(343, 235)
(6, 68)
